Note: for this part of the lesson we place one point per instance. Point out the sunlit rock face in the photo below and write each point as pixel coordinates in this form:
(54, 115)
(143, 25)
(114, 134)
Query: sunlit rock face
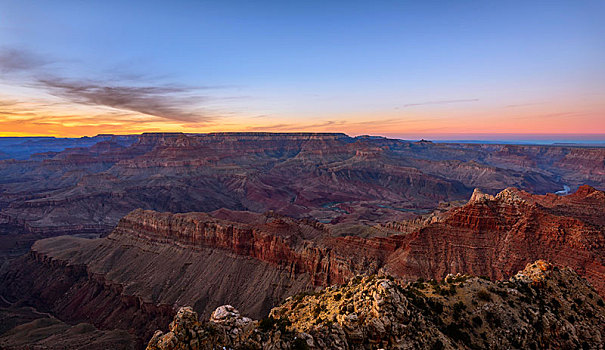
(250, 219)
(542, 306)
(497, 235)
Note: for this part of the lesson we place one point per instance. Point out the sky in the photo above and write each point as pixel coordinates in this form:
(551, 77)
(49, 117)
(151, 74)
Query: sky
(412, 69)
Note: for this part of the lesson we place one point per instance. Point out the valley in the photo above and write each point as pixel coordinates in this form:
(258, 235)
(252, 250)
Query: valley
(119, 235)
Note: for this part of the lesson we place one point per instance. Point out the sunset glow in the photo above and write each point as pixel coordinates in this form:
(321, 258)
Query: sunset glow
(399, 69)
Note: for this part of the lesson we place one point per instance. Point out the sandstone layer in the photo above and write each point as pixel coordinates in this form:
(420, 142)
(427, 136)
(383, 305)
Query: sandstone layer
(497, 235)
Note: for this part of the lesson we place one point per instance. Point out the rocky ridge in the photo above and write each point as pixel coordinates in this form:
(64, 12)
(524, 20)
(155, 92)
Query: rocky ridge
(497, 235)
(328, 177)
(543, 306)
(507, 230)
(297, 246)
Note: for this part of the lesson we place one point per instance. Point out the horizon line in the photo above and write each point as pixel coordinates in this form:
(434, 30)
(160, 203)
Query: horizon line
(412, 135)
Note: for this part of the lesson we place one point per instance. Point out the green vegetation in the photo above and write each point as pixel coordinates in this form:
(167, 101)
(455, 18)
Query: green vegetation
(435, 305)
(501, 292)
(452, 289)
(492, 319)
(438, 345)
(418, 285)
(458, 308)
(454, 331)
(299, 344)
(555, 303)
(477, 321)
(484, 295)
(269, 323)
(444, 291)
(316, 310)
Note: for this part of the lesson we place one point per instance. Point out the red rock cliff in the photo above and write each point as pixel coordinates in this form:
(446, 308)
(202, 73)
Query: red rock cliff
(498, 235)
(298, 246)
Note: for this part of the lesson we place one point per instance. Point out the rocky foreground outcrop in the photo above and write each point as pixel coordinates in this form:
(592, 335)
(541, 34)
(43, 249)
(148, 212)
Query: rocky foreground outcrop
(541, 307)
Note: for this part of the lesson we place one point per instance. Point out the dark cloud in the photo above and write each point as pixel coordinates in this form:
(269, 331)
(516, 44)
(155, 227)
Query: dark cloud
(442, 102)
(41, 113)
(16, 60)
(125, 91)
(165, 101)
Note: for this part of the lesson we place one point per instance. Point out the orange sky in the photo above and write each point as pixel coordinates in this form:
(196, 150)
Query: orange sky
(50, 117)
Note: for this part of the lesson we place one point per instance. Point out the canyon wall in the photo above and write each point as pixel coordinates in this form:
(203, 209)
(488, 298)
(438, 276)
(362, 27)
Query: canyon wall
(321, 176)
(495, 236)
(153, 262)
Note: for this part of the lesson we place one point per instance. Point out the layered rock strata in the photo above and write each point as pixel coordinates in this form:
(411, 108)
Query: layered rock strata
(328, 177)
(152, 263)
(497, 235)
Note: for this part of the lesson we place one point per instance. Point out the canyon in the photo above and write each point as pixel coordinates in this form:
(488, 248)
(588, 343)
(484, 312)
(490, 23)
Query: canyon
(136, 277)
(114, 236)
(326, 177)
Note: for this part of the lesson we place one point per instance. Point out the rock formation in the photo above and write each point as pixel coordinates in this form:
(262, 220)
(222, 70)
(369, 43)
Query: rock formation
(137, 277)
(543, 306)
(328, 177)
(497, 235)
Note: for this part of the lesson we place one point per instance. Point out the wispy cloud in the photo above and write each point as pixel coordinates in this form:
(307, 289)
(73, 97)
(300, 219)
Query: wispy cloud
(165, 101)
(336, 125)
(14, 60)
(440, 102)
(297, 126)
(8, 103)
(557, 115)
(38, 117)
(130, 92)
(524, 104)
(271, 127)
